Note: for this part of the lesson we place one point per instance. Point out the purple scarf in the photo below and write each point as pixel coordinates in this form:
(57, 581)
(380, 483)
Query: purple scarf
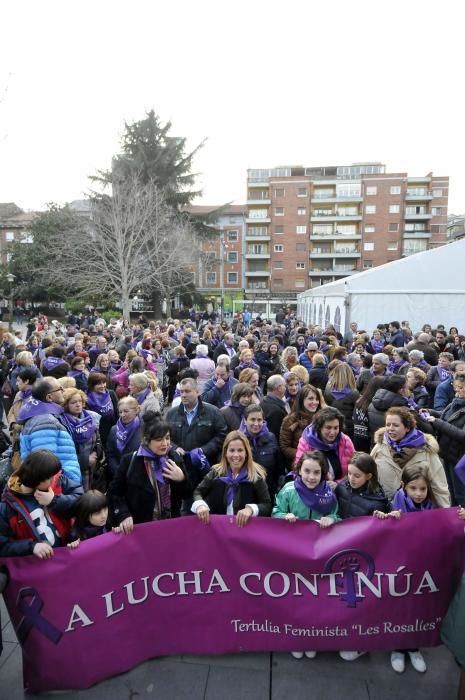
(355, 370)
(443, 373)
(415, 438)
(320, 499)
(312, 438)
(77, 373)
(145, 353)
(101, 403)
(340, 393)
(23, 395)
(81, 429)
(157, 462)
(124, 432)
(140, 398)
(253, 438)
(404, 503)
(233, 483)
(34, 407)
(52, 362)
(396, 365)
(384, 374)
(422, 364)
(377, 345)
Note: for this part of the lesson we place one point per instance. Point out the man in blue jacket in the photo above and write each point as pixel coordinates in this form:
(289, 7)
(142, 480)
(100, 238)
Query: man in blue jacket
(217, 390)
(445, 391)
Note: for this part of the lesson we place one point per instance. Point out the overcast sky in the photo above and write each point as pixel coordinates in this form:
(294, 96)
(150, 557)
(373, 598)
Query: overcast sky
(266, 83)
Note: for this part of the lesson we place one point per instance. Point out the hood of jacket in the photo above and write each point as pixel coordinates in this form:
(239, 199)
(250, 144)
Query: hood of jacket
(431, 442)
(384, 399)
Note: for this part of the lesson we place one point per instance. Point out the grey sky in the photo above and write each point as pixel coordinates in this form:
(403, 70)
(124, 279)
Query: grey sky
(268, 83)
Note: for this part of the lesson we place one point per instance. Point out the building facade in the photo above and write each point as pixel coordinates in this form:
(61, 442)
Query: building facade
(309, 226)
(14, 226)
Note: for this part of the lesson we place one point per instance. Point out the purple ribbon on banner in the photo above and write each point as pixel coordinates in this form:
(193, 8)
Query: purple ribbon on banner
(32, 617)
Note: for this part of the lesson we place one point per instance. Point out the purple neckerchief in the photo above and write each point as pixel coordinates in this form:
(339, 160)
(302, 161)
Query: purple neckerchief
(145, 353)
(313, 439)
(422, 363)
(116, 366)
(355, 370)
(124, 432)
(80, 428)
(233, 483)
(377, 345)
(100, 369)
(395, 365)
(415, 438)
(99, 351)
(157, 462)
(405, 504)
(247, 365)
(320, 499)
(34, 407)
(140, 398)
(323, 347)
(253, 438)
(75, 373)
(412, 403)
(340, 393)
(100, 402)
(23, 396)
(443, 373)
(52, 362)
(460, 469)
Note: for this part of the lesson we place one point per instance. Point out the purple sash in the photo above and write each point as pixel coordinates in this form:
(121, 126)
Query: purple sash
(311, 437)
(101, 403)
(460, 469)
(23, 395)
(34, 407)
(157, 462)
(81, 429)
(233, 483)
(140, 398)
(52, 362)
(415, 438)
(443, 373)
(125, 432)
(320, 499)
(404, 503)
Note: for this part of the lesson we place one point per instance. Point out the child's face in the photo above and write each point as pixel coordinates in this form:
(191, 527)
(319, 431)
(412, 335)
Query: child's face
(310, 473)
(357, 478)
(99, 518)
(417, 490)
(45, 485)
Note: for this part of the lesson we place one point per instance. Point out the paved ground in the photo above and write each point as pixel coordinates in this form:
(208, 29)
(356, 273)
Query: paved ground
(252, 676)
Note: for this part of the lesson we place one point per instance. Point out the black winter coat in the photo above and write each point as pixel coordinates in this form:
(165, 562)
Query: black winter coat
(214, 493)
(345, 405)
(355, 502)
(274, 410)
(450, 431)
(207, 430)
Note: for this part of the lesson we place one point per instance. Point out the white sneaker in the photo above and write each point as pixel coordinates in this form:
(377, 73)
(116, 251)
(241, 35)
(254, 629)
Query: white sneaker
(310, 654)
(418, 662)
(398, 661)
(351, 655)
(297, 654)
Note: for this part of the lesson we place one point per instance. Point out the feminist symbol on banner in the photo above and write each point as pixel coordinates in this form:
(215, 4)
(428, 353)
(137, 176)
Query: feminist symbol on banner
(32, 617)
(348, 562)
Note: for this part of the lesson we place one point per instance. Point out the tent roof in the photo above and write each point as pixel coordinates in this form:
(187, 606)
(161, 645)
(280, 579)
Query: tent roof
(440, 268)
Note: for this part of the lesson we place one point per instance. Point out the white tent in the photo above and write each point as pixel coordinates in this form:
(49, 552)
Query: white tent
(423, 288)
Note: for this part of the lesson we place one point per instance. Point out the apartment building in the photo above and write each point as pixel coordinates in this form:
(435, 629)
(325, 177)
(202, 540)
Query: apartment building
(14, 226)
(310, 226)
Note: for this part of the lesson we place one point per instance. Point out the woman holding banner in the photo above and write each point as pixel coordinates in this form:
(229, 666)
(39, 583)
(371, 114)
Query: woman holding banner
(235, 486)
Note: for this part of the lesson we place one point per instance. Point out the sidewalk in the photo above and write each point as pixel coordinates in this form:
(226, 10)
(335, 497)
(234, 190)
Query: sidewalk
(251, 676)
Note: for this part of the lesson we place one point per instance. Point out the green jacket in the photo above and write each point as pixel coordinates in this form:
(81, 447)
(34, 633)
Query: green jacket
(289, 501)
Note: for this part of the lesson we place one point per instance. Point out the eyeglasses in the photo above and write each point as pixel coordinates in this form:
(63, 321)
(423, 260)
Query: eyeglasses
(60, 388)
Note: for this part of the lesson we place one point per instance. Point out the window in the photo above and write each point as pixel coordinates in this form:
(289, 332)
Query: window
(233, 236)
(395, 189)
(301, 246)
(302, 192)
(279, 229)
(369, 229)
(437, 193)
(279, 211)
(279, 192)
(300, 266)
(301, 211)
(370, 209)
(392, 245)
(371, 190)
(301, 229)
(258, 214)
(278, 248)
(233, 220)
(9, 236)
(436, 211)
(369, 245)
(278, 282)
(300, 284)
(393, 227)
(367, 264)
(232, 257)
(232, 277)
(278, 265)
(211, 278)
(394, 208)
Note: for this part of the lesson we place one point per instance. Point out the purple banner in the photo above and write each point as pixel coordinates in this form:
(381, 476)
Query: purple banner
(179, 586)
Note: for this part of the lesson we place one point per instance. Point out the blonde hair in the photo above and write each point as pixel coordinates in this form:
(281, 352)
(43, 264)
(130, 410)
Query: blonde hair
(68, 395)
(67, 382)
(23, 356)
(254, 471)
(130, 402)
(301, 373)
(318, 359)
(340, 377)
(246, 374)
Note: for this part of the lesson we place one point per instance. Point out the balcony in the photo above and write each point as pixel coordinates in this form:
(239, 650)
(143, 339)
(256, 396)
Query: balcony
(417, 234)
(418, 195)
(252, 236)
(265, 219)
(319, 273)
(334, 199)
(344, 270)
(417, 217)
(319, 253)
(334, 234)
(257, 256)
(258, 198)
(334, 216)
(257, 273)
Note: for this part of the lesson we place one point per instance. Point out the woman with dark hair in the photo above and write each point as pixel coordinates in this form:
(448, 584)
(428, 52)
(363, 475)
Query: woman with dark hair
(234, 486)
(325, 434)
(54, 365)
(180, 362)
(360, 492)
(79, 373)
(400, 361)
(152, 481)
(341, 393)
(309, 401)
(233, 410)
(264, 445)
(102, 401)
(400, 443)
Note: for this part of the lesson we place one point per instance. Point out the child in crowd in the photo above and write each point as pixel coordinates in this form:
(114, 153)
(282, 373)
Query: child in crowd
(308, 497)
(36, 507)
(91, 518)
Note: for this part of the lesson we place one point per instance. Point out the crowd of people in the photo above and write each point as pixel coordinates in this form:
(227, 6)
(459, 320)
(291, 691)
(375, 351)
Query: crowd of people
(112, 425)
